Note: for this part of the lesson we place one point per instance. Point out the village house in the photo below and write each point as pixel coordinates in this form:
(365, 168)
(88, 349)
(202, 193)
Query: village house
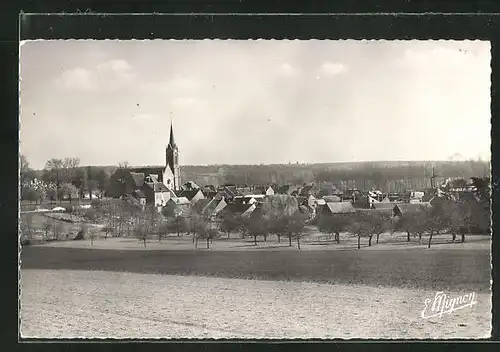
(403, 208)
(244, 210)
(266, 190)
(250, 199)
(214, 207)
(193, 195)
(179, 206)
(157, 193)
(338, 208)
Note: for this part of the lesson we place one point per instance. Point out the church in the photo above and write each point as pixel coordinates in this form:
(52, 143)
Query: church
(154, 185)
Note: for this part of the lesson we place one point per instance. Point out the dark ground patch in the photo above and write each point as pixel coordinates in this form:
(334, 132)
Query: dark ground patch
(462, 270)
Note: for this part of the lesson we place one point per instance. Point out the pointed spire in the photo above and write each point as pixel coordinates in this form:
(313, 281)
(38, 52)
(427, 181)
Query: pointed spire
(171, 143)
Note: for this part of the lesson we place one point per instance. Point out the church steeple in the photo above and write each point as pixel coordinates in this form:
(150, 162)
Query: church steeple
(171, 142)
(172, 175)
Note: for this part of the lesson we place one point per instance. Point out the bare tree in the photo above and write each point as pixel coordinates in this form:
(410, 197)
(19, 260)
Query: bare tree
(255, 227)
(229, 223)
(68, 190)
(208, 234)
(141, 228)
(295, 225)
(436, 221)
(333, 224)
(47, 227)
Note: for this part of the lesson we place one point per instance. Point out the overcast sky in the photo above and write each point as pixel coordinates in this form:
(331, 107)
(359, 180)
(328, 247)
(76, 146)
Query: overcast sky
(252, 102)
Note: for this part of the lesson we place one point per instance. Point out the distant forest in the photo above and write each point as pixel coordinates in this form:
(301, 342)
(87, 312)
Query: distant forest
(392, 176)
(387, 176)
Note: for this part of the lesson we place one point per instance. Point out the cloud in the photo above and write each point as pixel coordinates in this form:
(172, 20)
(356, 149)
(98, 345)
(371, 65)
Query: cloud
(332, 69)
(177, 85)
(437, 58)
(115, 65)
(287, 70)
(77, 78)
(108, 75)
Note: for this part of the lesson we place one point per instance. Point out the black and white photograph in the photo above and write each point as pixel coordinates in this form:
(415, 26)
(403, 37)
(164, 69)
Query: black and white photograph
(255, 189)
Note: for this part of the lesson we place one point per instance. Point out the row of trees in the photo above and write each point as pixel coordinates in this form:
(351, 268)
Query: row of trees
(60, 179)
(126, 218)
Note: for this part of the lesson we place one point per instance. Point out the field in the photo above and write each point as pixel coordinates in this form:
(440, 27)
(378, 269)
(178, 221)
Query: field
(68, 303)
(118, 288)
(436, 269)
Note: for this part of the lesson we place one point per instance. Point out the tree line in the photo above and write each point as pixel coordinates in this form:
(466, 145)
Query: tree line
(61, 178)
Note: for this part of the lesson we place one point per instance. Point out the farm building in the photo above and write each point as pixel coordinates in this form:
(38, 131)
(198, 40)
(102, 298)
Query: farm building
(338, 208)
(403, 208)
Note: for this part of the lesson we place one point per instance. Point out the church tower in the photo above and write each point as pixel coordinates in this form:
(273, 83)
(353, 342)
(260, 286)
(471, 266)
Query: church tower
(172, 175)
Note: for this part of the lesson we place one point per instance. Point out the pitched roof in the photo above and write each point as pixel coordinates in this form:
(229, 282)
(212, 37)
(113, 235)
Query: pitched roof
(202, 203)
(139, 193)
(320, 201)
(331, 199)
(190, 185)
(381, 205)
(304, 191)
(138, 178)
(231, 189)
(236, 208)
(180, 201)
(244, 191)
(189, 194)
(215, 206)
(410, 208)
(209, 188)
(159, 187)
(340, 208)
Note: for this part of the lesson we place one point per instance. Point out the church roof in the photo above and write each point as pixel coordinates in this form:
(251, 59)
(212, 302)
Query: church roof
(171, 142)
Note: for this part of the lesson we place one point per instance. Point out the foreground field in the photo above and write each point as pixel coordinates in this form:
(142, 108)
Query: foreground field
(66, 303)
(436, 269)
